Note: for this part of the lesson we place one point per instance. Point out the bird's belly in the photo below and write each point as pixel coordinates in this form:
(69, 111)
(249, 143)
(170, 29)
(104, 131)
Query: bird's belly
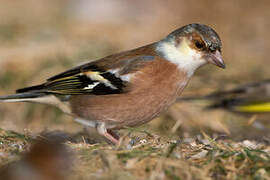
(123, 109)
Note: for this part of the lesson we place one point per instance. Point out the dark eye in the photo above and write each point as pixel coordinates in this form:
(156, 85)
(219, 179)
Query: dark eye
(199, 44)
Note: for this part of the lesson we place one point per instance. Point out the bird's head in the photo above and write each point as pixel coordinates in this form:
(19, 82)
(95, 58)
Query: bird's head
(191, 47)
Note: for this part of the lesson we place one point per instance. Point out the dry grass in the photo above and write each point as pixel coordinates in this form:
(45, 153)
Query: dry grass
(155, 157)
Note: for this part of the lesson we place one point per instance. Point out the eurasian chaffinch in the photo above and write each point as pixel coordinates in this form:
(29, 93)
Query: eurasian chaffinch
(129, 88)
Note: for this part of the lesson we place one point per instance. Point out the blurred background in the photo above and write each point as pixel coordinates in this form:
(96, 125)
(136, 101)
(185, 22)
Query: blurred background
(39, 38)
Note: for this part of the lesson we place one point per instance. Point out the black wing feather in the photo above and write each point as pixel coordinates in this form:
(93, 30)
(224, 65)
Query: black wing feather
(78, 80)
(77, 70)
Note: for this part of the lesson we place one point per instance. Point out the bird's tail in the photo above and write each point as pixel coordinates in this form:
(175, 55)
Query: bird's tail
(22, 97)
(37, 97)
(28, 94)
(38, 94)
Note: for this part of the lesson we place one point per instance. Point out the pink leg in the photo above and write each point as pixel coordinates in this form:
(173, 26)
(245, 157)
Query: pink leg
(113, 133)
(110, 135)
(111, 138)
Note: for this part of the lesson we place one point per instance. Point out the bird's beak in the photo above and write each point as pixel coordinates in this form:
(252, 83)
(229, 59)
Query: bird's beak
(216, 59)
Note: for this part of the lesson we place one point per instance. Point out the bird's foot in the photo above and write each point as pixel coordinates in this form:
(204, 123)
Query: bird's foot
(109, 134)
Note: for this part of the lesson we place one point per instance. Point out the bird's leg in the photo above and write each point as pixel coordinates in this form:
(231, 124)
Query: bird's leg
(113, 133)
(110, 135)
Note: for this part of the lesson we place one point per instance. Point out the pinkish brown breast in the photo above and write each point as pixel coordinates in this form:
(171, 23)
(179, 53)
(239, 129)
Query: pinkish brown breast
(151, 92)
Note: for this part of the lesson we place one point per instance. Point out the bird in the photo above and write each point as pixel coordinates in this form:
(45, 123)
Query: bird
(250, 98)
(129, 88)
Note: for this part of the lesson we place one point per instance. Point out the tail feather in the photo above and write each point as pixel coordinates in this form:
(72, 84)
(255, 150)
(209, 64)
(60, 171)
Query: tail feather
(37, 94)
(21, 97)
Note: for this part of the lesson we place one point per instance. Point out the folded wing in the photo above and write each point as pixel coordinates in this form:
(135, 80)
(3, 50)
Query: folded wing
(91, 78)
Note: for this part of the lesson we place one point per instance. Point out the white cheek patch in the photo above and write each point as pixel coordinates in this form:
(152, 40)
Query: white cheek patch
(183, 56)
